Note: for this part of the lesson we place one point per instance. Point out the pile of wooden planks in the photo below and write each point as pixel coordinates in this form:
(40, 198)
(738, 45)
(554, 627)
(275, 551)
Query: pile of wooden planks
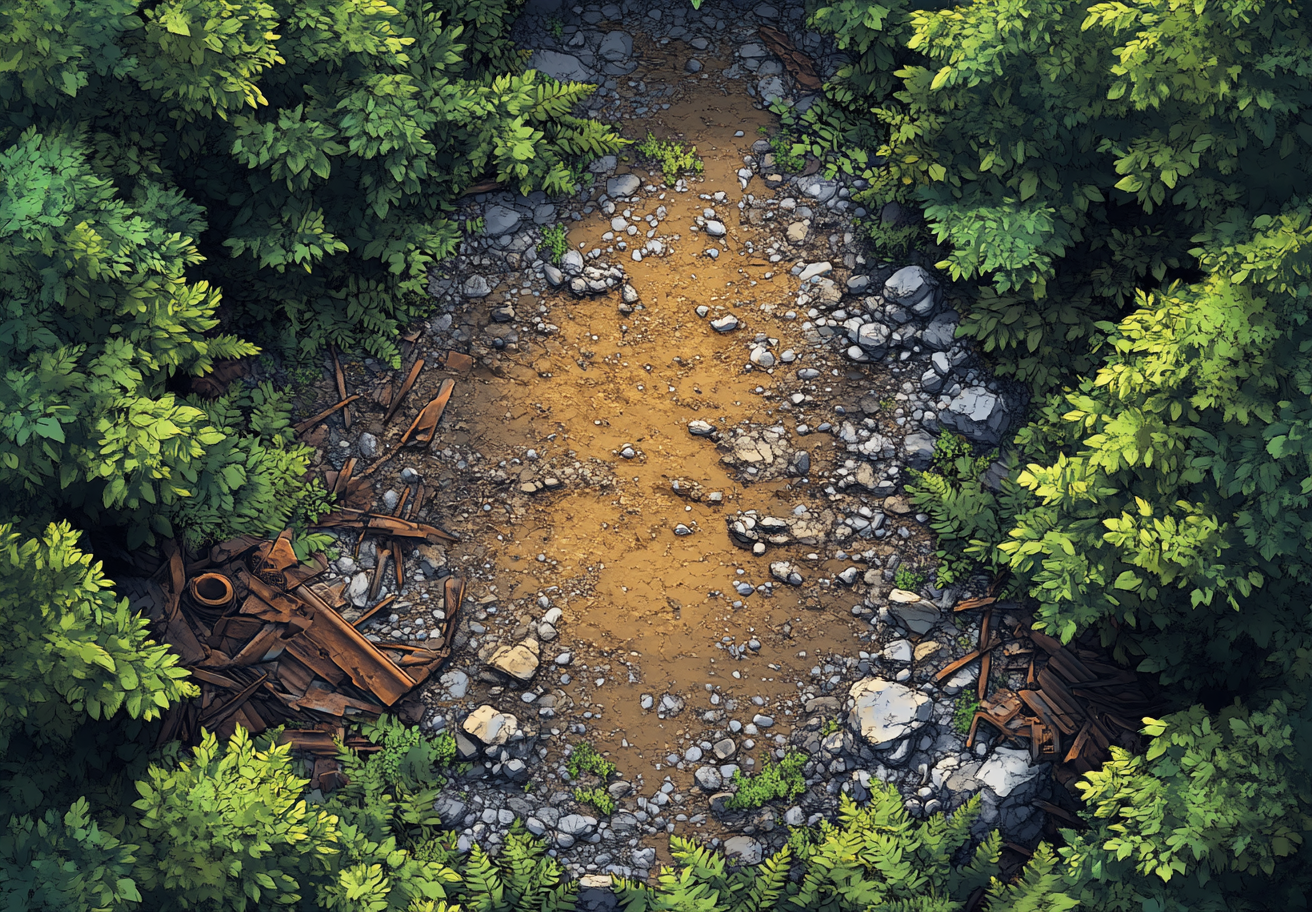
(269, 645)
(1073, 705)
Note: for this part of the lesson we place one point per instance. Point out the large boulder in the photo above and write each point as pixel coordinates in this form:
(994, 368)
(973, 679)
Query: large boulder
(1008, 773)
(887, 712)
(489, 726)
(616, 47)
(562, 67)
(909, 286)
(978, 415)
(499, 220)
(942, 331)
(519, 661)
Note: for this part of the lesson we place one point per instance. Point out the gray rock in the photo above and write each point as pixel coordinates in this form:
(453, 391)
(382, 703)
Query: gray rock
(914, 613)
(576, 824)
(368, 445)
(616, 47)
(644, 858)
(724, 748)
(490, 726)
(456, 684)
(358, 590)
(752, 50)
(499, 220)
(1008, 771)
(476, 286)
(887, 712)
(714, 228)
(629, 294)
(941, 363)
(543, 213)
(931, 381)
(941, 332)
(604, 164)
(873, 336)
(671, 705)
(909, 286)
(978, 415)
(700, 428)
(727, 323)
(572, 263)
(898, 652)
(817, 188)
(563, 67)
(771, 89)
(623, 185)
(693, 65)
(812, 270)
(553, 274)
(919, 449)
(743, 849)
(708, 778)
(766, 11)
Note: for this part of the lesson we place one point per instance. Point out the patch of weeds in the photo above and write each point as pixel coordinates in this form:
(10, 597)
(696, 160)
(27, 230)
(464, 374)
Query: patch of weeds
(967, 706)
(782, 781)
(555, 240)
(556, 27)
(908, 579)
(963, 642)
(599, 798)
(784, 158)
(888, 405)
(445, 744)
(673, 157)
(474, 226)
(585, 759)
(831, 725)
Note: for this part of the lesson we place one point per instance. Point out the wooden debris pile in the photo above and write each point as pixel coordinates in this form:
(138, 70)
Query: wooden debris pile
(1073, 705)
(268, 644)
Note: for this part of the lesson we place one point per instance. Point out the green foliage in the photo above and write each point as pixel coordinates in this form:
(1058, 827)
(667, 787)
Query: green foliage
(66, 862)
(598, 797)
(906, 578)
(229, 828)
(876, 857)
(555, 240)
(783, 147)
(830, 726)
(556, 27)
(964, 712)
(673, 157)
(585, 759)
(782, 781)
(73, 650)
(521, 879)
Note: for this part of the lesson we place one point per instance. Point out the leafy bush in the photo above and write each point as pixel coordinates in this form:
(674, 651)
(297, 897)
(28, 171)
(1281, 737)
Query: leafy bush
(229, 828)
(673, 157)
(73, 650)
(554, 239)
(876, 857)
(599, 798)
(781, 144)
(782, 781)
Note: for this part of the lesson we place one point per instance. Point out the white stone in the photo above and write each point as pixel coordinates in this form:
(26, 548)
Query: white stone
(886, 712)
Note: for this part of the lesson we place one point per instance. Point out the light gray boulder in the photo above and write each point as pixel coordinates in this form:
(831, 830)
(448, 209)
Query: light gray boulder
(887, 712)
(978, 415)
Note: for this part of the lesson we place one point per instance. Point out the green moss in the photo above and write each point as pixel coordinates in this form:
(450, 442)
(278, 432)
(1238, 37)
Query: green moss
(585, 759)
(599, 798)
(554, 239)
(967, 706)
(908, 579)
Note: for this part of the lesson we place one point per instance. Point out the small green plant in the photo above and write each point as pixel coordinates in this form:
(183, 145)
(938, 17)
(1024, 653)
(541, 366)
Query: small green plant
(782, 781)
(800, 840)
(889, 404)
(554, 239)
(831, 725)
(555, 26)
(964, 714)
(673, 157)
(444, 746)
(599, 798)
(784, 157)
(585, 759)
(908, 579)
(474, 226)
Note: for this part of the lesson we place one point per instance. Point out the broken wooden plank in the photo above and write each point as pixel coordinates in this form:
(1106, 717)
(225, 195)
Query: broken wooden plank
(1064, 663)
(1081, 739)
(965, 660)
(294, 675)
(376, 582)
(455, 361)
(303, 426)
(382, 524)
(398, 564)
(312, 740)
(420, 493)
(368, 668)
(303, 572)
(799, 65)
(372, 611)
(340, 377)
(985, 666)
(404, 391)
(322, 699)
(968, 604)
(213, 677)
(1061, 814)
(453, 594)
(277, 555)
(984, 624)
(1050, 715)
(259, 646)
(177, 578)
(343, 478)
(216, 714)
(424, 427)
(315, 657)
(179, 635)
